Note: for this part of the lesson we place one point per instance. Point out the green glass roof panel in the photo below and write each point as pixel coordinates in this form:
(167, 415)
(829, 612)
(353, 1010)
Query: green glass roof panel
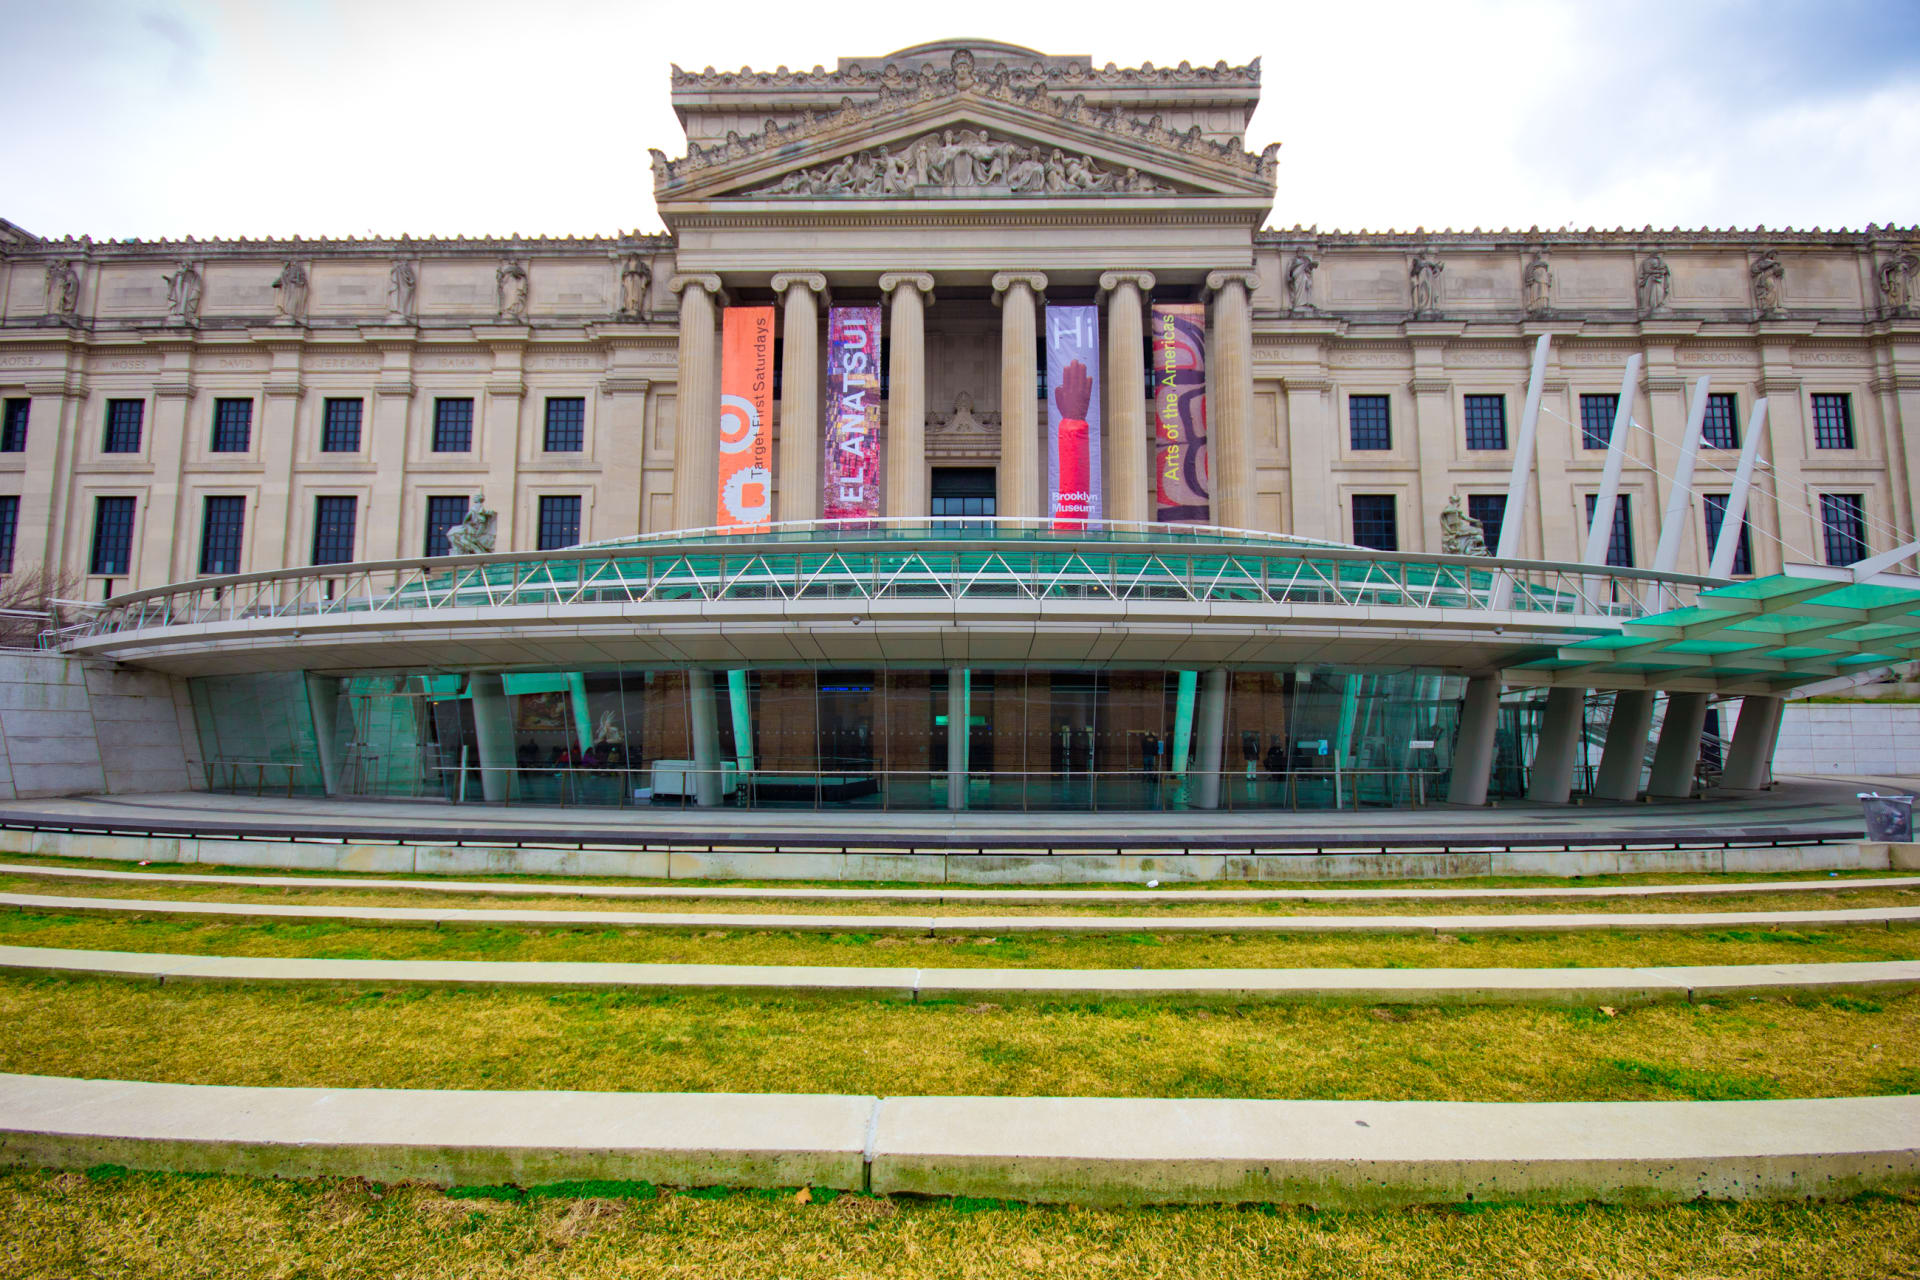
(1798, 652)
(1868, 595)
(1778, 584)
(1713, 646)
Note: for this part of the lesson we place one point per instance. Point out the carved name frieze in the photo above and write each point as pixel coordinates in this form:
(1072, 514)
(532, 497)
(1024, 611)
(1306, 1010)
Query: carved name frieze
(439, 363)
(343, 362)
(958, 163)
(893, 76)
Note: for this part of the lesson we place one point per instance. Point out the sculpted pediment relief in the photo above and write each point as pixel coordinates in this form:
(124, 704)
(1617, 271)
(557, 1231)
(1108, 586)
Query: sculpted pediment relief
(1004, 139)
(962, 164)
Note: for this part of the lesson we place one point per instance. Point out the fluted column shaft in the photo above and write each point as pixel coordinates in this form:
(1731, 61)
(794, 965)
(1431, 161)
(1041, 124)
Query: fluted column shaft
(1126, 402)
(906, 451)
(696, 449)
(800, 396)
(1230, 430)
(1019, 479)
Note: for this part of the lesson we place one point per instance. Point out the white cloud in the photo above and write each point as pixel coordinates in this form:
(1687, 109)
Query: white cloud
(225, 117)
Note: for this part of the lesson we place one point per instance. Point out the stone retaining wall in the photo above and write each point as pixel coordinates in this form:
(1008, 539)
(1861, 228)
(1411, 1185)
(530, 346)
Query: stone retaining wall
(72, 727)
(1850, 739)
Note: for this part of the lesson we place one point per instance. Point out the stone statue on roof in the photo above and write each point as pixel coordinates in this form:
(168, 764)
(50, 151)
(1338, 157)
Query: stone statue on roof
(1460, 533)
(474, 536)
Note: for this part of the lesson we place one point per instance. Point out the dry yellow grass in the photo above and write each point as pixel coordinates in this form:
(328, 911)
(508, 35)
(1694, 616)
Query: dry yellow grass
(431, 1038)
(149, 1227)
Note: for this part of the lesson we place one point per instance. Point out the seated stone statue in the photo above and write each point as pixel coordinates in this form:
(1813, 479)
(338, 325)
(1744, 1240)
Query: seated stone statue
(473, 536)
(1460, 533)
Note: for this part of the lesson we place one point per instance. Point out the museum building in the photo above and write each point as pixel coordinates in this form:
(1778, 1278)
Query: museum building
(970, 442)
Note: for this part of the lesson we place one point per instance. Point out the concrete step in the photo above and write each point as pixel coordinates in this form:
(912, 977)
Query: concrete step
(1621, 986)
(804, 893)
(1100, 1151)
(935, 926)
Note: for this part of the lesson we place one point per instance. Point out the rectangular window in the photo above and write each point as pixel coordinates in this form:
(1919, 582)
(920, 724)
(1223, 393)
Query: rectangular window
(453, 426)
(232, 426)
(1843, 527)
(1620, 538)
(559, 522)
(123, 426)
(1833, 421)
(9, 526)
(1720, 431)
(1486, 422)
(1596, 420)
(1490, 509)
(1374, 523)
(963, 491)
(340, 427)
(13, 435)
(1715, 507)
(112, 536)
(1369, 423)
(566, 424)
(220, 532)
(442, 515)
(333, 521)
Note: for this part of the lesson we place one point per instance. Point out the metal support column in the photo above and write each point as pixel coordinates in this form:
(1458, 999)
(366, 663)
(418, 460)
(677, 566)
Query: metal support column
(1679, 747)
(1211, 730)
(493, 730)
(1473, 750)
(1754, 738)
(706, 739)
(1559, 746)
(959, 734)
(1626, 746)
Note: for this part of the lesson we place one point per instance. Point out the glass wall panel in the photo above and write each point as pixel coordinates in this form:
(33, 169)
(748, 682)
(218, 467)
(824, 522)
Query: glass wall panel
(914, 747)
(1062, 740)
(256, 733)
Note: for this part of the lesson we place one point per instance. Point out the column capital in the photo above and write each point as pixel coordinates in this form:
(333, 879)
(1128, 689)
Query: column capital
(920, 280)
(1005, 280)
(677, 283)
(1141, 280)
(811, 280)
(1218, 280)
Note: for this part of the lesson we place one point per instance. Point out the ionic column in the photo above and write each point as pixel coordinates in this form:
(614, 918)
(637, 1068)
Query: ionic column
(1017, 294)
(696, 450)
(1126, 403)
(800, 396)
(906, 451)
(1230, 429)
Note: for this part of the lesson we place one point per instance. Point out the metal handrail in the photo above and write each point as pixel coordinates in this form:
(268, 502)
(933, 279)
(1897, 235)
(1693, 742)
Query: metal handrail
(870, 561)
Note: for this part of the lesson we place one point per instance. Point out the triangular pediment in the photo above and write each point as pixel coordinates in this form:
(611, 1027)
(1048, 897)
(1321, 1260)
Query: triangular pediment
(976, 142)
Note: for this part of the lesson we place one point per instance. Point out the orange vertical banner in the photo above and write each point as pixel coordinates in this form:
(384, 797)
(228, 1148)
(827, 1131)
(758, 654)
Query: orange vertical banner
(746, 418)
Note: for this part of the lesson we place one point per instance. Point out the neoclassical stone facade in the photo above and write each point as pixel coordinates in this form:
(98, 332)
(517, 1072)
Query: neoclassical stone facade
(961, 187)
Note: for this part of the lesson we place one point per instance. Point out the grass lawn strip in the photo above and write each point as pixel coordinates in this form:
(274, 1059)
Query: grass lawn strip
(157, 867)
(1838, 899)
(21, 875)
(346, 940)
(142, 1226)
(1752, 1048)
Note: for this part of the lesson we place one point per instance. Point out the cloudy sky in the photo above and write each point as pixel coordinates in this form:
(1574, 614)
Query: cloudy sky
(157, 118)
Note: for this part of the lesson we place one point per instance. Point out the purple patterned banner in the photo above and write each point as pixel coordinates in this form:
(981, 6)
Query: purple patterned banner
(851, 469)
(1183, 491)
